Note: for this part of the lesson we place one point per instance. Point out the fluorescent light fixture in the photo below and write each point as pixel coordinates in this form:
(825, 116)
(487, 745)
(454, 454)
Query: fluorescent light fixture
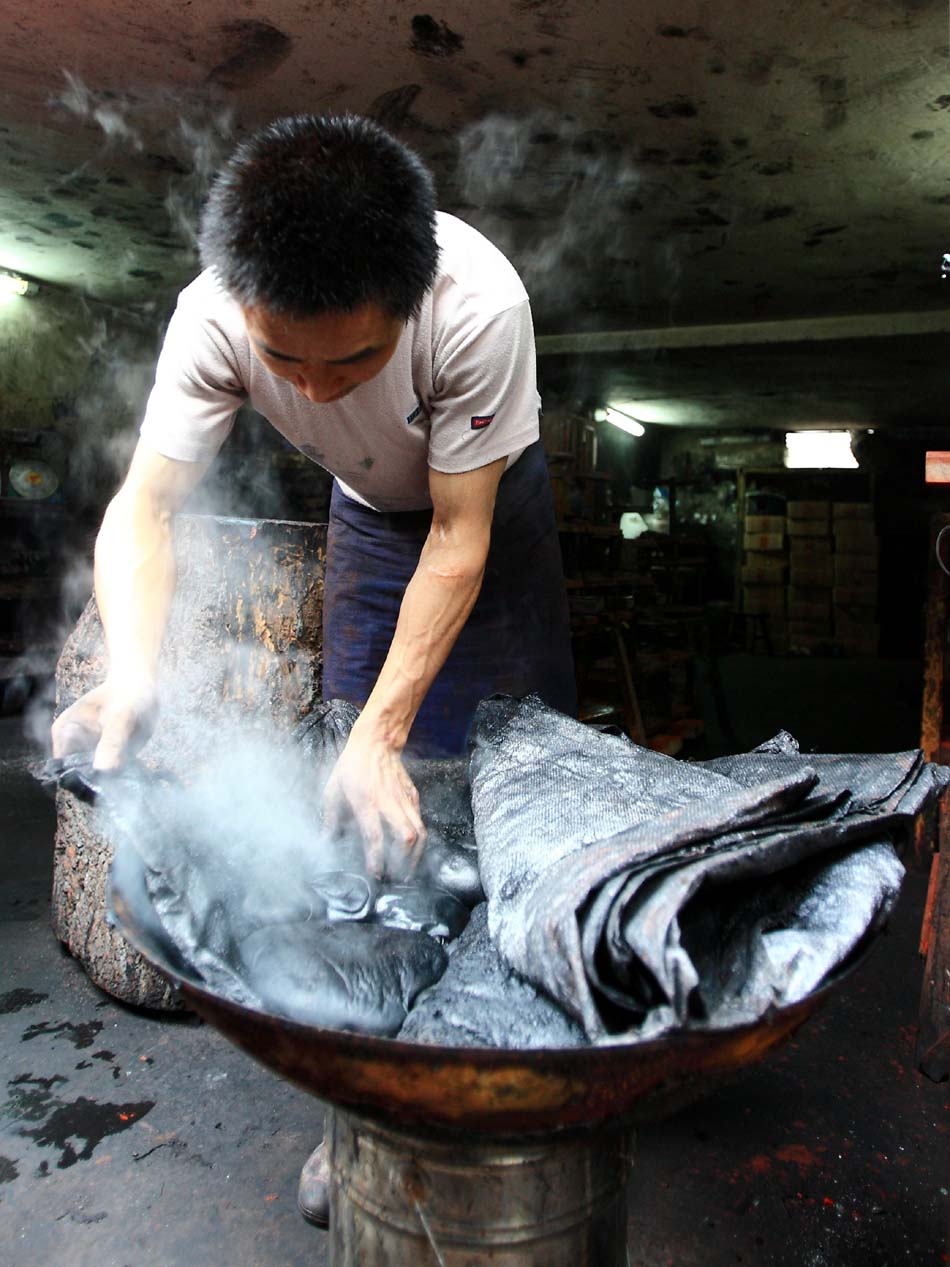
(14, 284)
(819, 450)
(617, 418)
(672, 411)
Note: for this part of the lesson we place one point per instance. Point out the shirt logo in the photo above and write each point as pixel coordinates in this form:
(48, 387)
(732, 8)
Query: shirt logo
(410, 418)
(481, 421)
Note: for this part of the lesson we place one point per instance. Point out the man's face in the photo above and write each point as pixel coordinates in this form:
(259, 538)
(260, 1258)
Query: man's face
(327, 356)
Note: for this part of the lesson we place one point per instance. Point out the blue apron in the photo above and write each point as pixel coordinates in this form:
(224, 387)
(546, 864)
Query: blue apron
(516, 640)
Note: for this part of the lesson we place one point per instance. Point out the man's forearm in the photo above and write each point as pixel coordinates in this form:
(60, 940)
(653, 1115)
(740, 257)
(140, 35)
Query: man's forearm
(435, 607)
(135, 576)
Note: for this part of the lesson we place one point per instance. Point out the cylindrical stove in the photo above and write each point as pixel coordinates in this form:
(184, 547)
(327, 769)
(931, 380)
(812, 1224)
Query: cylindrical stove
(403, 1197)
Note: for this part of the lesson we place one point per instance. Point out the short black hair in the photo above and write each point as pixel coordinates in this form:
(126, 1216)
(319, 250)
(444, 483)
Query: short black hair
(321, 214)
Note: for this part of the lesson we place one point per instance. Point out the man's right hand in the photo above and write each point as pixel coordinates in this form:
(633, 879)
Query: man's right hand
(113, 720)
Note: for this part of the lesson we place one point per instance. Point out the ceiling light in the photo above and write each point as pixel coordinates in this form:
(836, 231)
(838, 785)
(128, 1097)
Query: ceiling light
(666, 411)
(819, 450)
(14, 284)
(624, 421)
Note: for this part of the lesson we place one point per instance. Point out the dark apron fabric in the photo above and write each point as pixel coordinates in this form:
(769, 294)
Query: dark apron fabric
(516, 640)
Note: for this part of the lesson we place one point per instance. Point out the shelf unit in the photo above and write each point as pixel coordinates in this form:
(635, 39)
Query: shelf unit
(635, 604)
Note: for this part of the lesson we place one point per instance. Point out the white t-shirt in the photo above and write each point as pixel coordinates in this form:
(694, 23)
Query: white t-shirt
(460, 391)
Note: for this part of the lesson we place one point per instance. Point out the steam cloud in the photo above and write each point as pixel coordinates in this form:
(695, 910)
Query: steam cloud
(556, 199)
(192, 142)
(102, 376)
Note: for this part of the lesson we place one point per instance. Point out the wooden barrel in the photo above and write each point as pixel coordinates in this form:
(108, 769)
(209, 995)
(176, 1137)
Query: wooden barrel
(243, 641)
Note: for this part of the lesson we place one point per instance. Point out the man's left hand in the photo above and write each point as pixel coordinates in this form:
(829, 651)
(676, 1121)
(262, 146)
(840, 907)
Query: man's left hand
(370, 782)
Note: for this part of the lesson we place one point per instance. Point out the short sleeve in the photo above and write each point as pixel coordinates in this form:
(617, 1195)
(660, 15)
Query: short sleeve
(197, 388)
(485, 404)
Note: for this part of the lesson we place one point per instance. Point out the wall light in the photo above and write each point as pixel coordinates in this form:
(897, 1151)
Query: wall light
(14, 284)
(626, 422)
(819, 450)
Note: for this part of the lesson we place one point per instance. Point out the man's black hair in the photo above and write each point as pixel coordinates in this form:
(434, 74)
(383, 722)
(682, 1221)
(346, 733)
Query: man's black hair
(322, 214)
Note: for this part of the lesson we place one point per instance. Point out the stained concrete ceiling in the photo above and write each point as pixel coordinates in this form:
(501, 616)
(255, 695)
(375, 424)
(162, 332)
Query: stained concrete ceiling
(715, 181)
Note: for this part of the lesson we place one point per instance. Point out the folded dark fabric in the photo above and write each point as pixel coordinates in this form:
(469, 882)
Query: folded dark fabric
(866, 783)
(349, 976)
(480, 1002)
(646, 894)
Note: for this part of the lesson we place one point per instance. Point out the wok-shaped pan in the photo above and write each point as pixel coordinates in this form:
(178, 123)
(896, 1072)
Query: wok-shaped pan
(494, 1092)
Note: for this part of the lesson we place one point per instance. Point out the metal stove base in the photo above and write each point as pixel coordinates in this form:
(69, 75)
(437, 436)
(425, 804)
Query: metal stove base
(400, 1198)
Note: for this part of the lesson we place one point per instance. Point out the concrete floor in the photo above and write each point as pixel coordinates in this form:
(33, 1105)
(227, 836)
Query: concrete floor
(130, 1140)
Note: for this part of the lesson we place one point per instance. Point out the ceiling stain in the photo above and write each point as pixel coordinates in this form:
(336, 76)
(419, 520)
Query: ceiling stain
(833, 94)
(758, 69)
(779, 167)
(818, 234)
(680, 108)
(434, 39)
(393, 109)
(62, 221)
(779, 212)
(257, 49)
(683, 32)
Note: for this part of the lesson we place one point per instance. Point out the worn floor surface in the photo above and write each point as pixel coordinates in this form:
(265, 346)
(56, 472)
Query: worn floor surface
(128, 1140)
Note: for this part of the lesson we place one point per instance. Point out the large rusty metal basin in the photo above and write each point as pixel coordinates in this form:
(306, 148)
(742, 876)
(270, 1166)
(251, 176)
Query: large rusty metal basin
(494, 1092)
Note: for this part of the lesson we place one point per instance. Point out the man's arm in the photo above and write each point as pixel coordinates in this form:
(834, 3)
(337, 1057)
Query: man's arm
(135, 579)
(369, 775)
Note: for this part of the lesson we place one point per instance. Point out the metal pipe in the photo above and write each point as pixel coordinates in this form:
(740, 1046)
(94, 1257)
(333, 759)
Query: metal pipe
(881, 325)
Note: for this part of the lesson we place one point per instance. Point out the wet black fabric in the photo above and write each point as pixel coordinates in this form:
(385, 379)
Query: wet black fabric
(480, 1002)
(74, 773)
(420, 910)
(350, 976)
(258, 899)
(646, 894)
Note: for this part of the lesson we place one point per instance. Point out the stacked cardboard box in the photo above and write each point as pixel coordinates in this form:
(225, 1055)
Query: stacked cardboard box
(763, 573)
(857, 630)
(811, 574)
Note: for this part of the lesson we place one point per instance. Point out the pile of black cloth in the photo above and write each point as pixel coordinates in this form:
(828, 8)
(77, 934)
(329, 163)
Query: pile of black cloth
(644, 894)
(481, 1002)
(618, 894)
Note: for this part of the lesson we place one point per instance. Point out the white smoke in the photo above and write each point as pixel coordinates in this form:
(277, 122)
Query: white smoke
(86, 104)
(557, 200)
(188, 138)
(107, 369)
